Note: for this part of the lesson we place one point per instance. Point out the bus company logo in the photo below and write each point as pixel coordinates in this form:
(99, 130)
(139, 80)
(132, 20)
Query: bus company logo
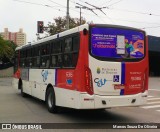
(44, 74)
(98, 70)
(100, 82)
(107, 70)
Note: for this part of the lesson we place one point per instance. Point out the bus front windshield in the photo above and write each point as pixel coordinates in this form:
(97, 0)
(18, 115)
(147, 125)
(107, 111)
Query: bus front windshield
(117, 43)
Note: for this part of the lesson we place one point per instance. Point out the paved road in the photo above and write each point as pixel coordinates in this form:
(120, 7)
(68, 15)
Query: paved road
(15, 109)
(154, 83)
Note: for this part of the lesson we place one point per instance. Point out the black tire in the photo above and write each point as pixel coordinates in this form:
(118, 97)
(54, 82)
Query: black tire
(51, 100)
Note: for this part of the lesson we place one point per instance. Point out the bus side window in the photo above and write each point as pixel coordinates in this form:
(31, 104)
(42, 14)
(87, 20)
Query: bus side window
(75, 43)
(38, 61)
(53, 60)
(67, 60)
(45, 55)
(71, 49)
(43, 50)
(22, 58)
(30, 61)
(45, 61)
(48, 49)
(56, 47)
(28, 58)
(56, 61)
(56, 54)
(67, 48)
(35, 60)
(68, 45)
(74, 59)
(75, 50)
(59, 63)
(52, 47)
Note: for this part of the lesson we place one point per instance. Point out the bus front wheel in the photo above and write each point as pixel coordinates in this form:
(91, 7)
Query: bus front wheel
(50, 100)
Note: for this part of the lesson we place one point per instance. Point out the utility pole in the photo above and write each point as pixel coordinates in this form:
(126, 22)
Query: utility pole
(67, 16)
(80, 16)
(80, 13)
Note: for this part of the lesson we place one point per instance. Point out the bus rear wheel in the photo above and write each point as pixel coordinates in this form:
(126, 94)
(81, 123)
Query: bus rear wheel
(50, 101)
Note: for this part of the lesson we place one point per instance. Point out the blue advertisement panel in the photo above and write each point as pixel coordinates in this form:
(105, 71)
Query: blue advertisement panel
(117, 43)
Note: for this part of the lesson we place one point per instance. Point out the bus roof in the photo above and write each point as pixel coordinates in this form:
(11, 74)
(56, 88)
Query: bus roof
(67, 32)
(71, 31)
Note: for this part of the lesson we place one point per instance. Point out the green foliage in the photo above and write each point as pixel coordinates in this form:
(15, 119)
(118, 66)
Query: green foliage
(59, 25)
(6, 49)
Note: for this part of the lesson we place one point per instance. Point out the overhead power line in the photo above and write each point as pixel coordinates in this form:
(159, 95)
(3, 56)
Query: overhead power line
(124, 10)
(90, 9)
(32, 3)
(97, 7)
(121, 19)
(57, 3)
(115, 3)
(106, 2)
(73, 1)
(49, 6)
(88, 14)
(143, 13)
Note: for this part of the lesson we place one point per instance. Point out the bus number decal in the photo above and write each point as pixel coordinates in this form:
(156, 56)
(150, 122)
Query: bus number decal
(69, 76)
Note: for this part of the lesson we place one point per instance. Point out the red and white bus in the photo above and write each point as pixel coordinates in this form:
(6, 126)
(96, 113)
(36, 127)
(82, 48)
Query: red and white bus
(88, 67)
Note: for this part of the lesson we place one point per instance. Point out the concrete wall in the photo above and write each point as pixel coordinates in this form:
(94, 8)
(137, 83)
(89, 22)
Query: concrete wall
(6, 72)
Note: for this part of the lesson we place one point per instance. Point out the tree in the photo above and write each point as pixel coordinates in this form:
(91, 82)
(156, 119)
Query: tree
(6, 49)
(59, 24)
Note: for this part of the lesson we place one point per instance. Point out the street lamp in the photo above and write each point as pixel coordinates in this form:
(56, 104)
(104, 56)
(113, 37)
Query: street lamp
(80, 7)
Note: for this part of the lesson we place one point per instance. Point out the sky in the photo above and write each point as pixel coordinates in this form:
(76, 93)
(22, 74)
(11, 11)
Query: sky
(142, 14)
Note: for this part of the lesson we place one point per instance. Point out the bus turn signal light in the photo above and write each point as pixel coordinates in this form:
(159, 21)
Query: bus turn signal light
(88, 81)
